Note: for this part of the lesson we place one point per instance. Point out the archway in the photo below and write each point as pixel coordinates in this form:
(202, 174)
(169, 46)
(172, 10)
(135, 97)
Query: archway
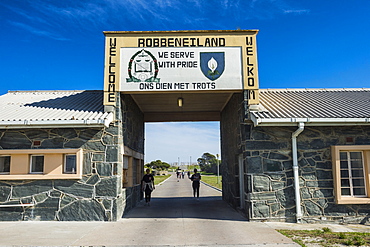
(184, 76)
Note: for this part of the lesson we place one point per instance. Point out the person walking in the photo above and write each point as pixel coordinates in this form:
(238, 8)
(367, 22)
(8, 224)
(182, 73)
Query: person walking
(147, 186)
(196, 177)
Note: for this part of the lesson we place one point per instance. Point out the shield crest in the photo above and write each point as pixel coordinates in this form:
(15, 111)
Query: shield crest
(212, 64)
(143, 67)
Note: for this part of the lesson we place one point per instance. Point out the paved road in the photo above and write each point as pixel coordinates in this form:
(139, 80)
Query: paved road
(173, 219)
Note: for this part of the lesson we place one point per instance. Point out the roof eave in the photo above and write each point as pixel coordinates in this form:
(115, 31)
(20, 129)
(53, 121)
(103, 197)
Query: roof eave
(29, 124)
(309, 121)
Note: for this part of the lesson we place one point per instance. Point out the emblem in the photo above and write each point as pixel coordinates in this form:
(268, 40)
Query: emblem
(212, 64)
(143, 67)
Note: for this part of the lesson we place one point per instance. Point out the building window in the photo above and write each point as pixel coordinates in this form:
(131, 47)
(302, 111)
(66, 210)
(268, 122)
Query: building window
(4, 164)
(37, 163)
(41, 164)
(70, 163)
(351, 172)
(352, 177)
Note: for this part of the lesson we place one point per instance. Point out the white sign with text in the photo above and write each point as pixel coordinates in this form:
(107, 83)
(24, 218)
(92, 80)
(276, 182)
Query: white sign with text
(185, 69)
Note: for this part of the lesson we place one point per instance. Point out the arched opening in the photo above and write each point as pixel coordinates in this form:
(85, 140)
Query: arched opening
(226, 109)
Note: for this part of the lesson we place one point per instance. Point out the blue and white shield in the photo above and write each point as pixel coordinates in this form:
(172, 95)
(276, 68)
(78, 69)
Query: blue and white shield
(212, 64)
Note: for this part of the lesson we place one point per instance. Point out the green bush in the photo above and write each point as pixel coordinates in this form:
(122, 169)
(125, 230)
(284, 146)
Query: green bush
(349, 242)
(359, 241)
(326, 229)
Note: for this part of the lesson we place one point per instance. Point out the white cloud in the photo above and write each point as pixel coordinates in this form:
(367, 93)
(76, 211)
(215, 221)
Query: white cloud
(38, 31)
(170, 141)
(69, 18)
(270, 9)
(296, 11)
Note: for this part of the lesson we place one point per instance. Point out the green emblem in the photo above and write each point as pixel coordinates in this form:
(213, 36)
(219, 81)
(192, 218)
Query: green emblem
(143, 67)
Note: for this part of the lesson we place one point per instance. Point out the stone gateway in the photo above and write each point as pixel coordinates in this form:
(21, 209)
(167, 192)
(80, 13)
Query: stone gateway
(291, 155)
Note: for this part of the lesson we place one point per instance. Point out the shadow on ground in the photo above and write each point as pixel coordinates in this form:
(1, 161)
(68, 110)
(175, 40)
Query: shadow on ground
(211, 207)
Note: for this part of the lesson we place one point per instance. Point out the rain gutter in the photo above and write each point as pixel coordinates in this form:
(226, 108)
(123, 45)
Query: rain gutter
(308, 121)
(295, 172)
(29, 124)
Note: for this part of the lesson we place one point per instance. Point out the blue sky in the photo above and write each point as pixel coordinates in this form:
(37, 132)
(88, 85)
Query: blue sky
(59, 45)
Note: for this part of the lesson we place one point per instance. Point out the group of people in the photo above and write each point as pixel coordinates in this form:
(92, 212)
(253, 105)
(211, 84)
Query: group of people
(180, 174)
(147, 184)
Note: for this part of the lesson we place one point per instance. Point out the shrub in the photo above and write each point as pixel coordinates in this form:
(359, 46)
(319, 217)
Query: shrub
(327, 229)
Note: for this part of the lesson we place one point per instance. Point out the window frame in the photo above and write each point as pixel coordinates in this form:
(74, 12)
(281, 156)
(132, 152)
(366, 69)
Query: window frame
(65, 164)
(345, 199)
(10, 160)
(43, 163)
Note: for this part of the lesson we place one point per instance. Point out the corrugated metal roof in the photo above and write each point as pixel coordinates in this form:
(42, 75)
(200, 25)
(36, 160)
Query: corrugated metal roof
(22, 109)
(320, 105)
(51, 108)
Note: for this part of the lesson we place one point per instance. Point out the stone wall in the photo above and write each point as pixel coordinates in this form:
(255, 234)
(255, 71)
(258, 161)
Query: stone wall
(99, 195)
(230, 125)
(94, 197)
(133, 124)
(269, 175)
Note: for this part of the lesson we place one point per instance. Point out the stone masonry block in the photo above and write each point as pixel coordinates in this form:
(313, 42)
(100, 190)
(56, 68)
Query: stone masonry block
(263, 196)
(89, 134)
(96, 145)
(14, 140)
(112, 153)
(4, 192)
(272, 165)
(278, 156)
(65, 133)
(312, 208)
(104, 169)
(261, 183)
(254, 164)
(108, 187)
(53, 143)
(74, 143)
(261, 210)
(31, 188)
(285, 197)
(74, 188)
(83, 210)
(44, 211)
(36, 134)
(265, 145)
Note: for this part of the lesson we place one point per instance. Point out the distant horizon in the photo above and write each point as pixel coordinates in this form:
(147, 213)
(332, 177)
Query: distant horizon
(200, 138)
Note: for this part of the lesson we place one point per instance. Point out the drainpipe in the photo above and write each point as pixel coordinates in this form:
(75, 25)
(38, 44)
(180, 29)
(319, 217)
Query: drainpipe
(295, 172)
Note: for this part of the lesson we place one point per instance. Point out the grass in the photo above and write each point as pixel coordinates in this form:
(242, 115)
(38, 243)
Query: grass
(160, 179)
(326, 237)
(212, 180)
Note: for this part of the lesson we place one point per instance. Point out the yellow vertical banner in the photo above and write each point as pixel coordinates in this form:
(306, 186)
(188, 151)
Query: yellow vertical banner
(251, 69)
(111, 71)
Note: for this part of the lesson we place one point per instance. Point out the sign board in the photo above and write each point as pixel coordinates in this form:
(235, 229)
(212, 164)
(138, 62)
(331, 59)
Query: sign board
(173, 61)
(174, 69)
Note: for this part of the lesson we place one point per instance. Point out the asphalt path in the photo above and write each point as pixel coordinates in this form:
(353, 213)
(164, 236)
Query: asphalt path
(174, 218)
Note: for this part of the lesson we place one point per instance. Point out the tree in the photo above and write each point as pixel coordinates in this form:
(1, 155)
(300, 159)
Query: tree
(158, 164)
(208, 163)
